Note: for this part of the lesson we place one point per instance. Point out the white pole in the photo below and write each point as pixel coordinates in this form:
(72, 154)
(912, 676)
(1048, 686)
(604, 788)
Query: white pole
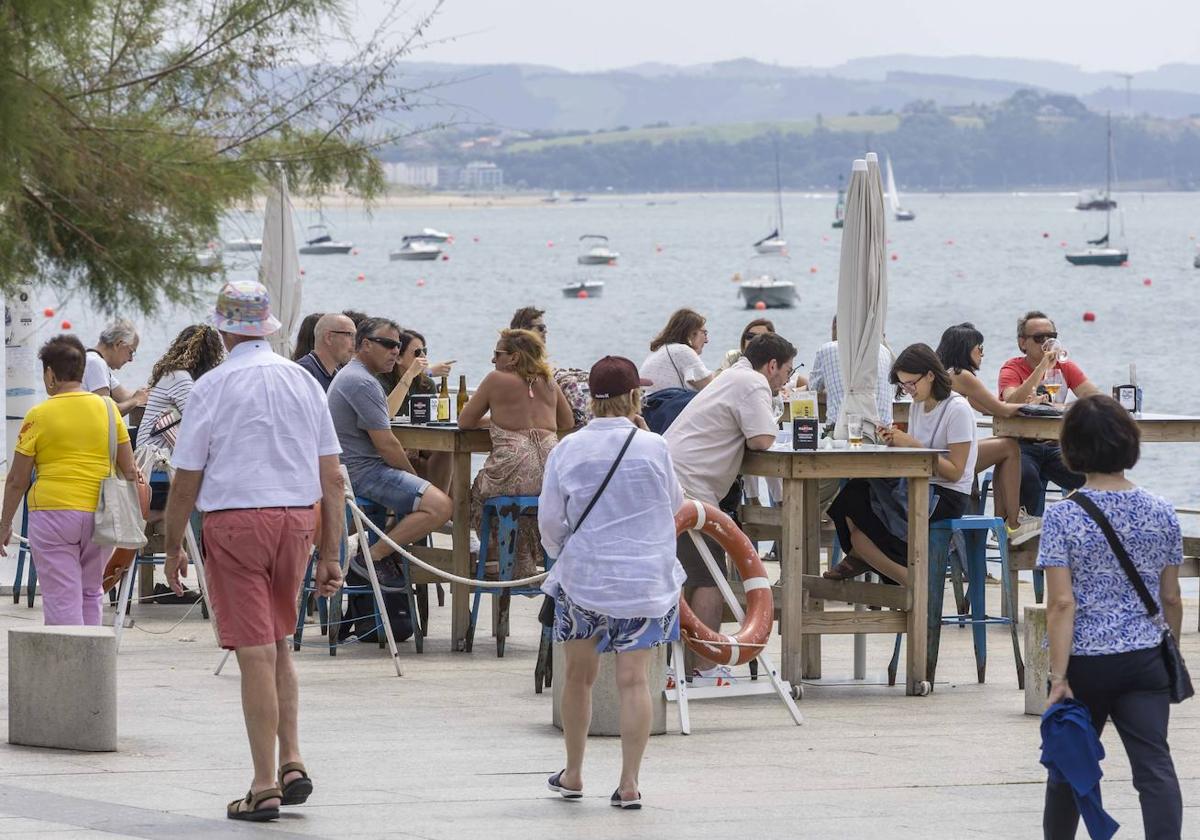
(22, 386)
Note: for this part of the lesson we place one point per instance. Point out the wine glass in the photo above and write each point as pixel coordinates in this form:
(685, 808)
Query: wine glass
(1055, 347)
(777, 404)
(1053, 382)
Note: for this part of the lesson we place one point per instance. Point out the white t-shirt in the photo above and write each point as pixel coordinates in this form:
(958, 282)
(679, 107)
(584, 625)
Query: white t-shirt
(97, 374)
(171, 390)
(708, 438)
(672, 366)
(951, 421)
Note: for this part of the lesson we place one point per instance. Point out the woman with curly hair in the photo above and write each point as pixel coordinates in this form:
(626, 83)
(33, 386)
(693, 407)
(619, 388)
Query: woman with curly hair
(194, 352)
(526, 410)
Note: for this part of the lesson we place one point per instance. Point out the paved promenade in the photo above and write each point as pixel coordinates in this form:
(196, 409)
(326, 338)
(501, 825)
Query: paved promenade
(460, 748)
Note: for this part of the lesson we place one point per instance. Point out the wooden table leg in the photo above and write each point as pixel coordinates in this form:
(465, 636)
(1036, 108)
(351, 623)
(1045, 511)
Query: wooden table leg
(791, 565)
(810, 541)
(460, 596)
(918, 584)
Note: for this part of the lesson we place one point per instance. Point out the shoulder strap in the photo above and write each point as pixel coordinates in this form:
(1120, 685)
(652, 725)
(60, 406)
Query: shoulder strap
(1114, 541)
(607, 478)
(109, 408)
(671, 358)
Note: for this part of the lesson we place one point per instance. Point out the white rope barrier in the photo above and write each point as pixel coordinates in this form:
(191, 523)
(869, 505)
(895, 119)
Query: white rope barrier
(484, 584)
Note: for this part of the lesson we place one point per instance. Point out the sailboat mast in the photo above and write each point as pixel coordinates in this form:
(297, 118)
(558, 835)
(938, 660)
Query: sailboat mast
(1108, 180)
(778, 189)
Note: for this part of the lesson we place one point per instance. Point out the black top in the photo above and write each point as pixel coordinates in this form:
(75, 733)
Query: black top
(313, 365)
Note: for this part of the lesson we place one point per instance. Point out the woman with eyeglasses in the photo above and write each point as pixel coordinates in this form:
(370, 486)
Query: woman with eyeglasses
(572, 381)
(961, 351)
(757, 327)
(117, 345)
(674, 360)
(523, 410)
(870, 517)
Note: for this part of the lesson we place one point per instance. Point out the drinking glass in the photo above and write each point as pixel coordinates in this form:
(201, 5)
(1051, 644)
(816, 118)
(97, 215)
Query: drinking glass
(1053, 382)
(1055, 346)
(777, 408)
(854, 429)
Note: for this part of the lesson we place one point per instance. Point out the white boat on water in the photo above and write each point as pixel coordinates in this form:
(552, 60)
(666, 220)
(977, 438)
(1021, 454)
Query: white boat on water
(773, 242)
(583, 289)
(416, 248)
(596, 250)
(893, 196)
(320, 242)
(435, 235)
(1196, 261)
(763, 284)
(242, 245)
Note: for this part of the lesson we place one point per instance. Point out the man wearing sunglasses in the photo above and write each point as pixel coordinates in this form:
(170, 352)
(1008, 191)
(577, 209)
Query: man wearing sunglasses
(378, 466)
(333, 347)
(1041, 461)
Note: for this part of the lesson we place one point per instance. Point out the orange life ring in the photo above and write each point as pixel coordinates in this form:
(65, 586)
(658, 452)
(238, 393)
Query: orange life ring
(752, 636)
(120, 559)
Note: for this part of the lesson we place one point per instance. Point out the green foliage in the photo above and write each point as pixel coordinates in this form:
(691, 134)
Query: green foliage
(129, 127)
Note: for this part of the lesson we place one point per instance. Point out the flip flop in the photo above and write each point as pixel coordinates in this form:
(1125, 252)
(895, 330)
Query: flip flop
(849, 567)
(627, 804)
(555, 784)
(250, 808)
(297, 791)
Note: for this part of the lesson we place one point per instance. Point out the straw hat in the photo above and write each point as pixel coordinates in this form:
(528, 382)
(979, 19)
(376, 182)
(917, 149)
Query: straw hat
(244, 308)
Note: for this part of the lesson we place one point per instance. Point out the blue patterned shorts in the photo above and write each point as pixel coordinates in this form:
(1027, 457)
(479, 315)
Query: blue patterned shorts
(572, 622)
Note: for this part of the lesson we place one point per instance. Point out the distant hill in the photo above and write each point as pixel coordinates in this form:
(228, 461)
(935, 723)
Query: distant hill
(538, 98)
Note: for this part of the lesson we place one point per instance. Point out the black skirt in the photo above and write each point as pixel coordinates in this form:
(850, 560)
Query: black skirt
(854, 502)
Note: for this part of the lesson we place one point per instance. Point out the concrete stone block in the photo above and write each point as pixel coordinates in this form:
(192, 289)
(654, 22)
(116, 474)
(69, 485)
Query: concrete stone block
(1037, 660)
(606, 704)
(62, 688)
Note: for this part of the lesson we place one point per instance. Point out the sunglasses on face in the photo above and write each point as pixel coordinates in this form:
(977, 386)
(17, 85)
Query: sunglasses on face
(421, 351)
(1042, 338)
(496, 354)
(389, 343)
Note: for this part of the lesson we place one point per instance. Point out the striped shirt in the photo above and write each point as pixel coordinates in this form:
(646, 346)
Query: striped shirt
(172, 389)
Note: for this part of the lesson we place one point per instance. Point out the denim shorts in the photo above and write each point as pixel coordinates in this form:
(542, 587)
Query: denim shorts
(397, 490)
(573, 622)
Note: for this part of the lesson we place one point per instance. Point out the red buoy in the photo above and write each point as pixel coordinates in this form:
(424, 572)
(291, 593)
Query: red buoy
(1045, 235)
(812, 270)
(302, 272)
(658, 249)
(895, 257)
(66, 325)
(361, 277)
(549, 244)
(582, 294)
(761, 305)
(1089, 316)
(475, 238)
(1146, 282)
(1062, 244)
(420, 282)
(949, 241)
(445, 257)
(354, 251)
(48, 312)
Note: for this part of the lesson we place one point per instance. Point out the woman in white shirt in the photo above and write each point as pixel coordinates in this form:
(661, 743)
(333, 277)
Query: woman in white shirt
(615, 581)
(871, 527)
(674, 360)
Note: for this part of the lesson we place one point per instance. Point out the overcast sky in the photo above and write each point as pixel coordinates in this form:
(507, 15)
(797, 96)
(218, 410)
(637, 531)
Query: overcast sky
(601, 34)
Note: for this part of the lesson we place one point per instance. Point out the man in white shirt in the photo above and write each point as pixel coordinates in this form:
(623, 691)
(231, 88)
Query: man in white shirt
(707, 441)
(256, 451)
(115, 349)
(826, 375)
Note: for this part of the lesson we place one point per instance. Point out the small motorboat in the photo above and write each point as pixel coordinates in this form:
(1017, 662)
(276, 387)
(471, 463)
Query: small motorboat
(762, 284)
(243, 245)
(320, 242)
(1099, 256)
(596, 250)
(435, 235)
(416, 248)
(1094, 200)
(584, 289)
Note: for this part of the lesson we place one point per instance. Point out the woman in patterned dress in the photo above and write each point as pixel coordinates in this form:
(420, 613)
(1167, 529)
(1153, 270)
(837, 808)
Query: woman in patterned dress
(1104, 646)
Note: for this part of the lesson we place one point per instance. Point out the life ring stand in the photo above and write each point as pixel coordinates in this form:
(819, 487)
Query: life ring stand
(750, 639)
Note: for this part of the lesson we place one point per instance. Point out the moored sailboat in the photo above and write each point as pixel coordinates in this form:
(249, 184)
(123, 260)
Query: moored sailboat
(1102, 252)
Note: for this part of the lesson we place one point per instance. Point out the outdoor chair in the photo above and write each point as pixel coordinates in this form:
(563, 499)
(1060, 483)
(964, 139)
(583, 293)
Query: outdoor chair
(1039, 577)
(23, 551)
(974, 529)
(505, 512)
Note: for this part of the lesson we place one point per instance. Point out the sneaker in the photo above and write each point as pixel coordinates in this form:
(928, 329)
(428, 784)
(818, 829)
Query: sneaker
(721, 675)
(1027, 528)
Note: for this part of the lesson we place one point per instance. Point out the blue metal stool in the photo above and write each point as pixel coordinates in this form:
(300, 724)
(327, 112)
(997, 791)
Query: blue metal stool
(974, 529)
(22, 552)
(1039, 577)
(504, 511)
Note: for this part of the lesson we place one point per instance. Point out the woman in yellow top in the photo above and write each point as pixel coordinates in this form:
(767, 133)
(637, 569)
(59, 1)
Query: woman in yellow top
(65, 439)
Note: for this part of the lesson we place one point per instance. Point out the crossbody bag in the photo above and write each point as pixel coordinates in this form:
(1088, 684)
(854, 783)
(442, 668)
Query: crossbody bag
(1180, 681)
(546, 613)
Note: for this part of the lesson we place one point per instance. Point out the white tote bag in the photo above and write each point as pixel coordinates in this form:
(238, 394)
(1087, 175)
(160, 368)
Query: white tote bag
(119, 520)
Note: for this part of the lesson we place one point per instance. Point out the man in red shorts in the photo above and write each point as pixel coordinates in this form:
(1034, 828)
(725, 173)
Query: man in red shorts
(256, 451)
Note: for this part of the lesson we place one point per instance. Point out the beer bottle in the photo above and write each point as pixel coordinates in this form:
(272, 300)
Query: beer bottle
(463, 396)
(443, 401)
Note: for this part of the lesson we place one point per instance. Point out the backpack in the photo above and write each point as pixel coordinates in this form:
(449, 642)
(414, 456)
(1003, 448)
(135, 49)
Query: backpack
(660, 409)
(358, 619)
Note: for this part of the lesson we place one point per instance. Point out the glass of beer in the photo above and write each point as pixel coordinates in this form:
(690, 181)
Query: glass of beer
(1053, 383)
(854, 430)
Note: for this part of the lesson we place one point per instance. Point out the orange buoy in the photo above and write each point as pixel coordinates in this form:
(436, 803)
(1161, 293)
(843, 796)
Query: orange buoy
(1089, 316)
(361, 277)
(761, 305)
(48, 312)
(66, 325)
(812, 270)
(1146, 282)
(420, 282)
(895, 257)
(752, 636)
(582, 294)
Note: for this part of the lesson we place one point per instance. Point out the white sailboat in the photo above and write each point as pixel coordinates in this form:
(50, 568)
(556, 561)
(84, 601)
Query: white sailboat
(773, 242)
(1102, 252)
(898, 212)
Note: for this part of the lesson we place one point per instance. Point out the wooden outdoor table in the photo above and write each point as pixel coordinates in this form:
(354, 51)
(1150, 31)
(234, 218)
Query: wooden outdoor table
(803, 589)
(461, 444)
(1156, 428)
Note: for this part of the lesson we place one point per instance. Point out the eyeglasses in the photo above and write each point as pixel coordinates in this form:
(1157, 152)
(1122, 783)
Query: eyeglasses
(1042, 338)
(389, 343)
(909, 386)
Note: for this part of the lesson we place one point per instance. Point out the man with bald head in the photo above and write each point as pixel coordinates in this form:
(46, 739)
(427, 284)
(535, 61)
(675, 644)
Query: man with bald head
(333, 346)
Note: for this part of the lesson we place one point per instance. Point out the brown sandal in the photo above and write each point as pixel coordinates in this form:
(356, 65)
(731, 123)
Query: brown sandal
(250, 808)
(849, 567)
(297, 791)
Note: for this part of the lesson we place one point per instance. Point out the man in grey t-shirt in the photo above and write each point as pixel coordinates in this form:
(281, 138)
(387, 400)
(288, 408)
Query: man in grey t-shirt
(378, 466)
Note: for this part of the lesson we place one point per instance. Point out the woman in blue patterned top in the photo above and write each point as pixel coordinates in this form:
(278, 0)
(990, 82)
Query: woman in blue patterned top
(1104, 647)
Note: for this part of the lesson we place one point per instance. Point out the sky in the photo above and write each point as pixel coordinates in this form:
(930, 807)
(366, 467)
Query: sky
(604, 34)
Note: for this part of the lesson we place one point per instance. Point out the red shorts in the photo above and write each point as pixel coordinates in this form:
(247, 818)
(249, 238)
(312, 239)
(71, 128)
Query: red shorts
(254, 561)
